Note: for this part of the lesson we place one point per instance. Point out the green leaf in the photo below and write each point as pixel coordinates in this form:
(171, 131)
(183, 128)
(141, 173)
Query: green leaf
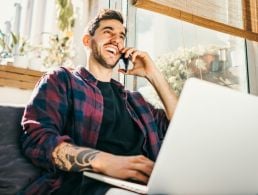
(2, 43)
(65, 15)
(72, 22)
(14, 38)
(62, 3)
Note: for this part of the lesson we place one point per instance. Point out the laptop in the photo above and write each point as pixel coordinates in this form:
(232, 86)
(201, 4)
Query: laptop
(211, 145)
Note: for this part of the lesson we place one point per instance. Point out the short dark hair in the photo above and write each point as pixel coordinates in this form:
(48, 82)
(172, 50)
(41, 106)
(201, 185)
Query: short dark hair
(104, 14)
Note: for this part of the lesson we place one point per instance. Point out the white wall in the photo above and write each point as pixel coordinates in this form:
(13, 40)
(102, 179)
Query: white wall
(9, 95)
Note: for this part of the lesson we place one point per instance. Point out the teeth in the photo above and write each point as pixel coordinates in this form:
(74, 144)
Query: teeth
(113, 50)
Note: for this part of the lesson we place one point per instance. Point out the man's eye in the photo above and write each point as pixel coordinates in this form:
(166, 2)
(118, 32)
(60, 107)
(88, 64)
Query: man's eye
(107, 32)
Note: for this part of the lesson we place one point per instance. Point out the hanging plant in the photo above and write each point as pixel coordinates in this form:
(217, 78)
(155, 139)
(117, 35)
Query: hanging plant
(65, 15)
(60, 50)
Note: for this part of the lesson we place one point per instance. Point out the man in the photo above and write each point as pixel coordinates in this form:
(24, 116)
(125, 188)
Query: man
(84, 119)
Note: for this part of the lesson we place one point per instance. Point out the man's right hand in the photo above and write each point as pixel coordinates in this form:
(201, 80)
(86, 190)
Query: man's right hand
(69, 157)
(137, 168)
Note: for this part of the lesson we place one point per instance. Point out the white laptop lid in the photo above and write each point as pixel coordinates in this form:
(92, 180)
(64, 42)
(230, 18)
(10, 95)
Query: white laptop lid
(212, 143)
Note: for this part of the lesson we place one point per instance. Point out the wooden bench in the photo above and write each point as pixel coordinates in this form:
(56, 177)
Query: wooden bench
(22, 78)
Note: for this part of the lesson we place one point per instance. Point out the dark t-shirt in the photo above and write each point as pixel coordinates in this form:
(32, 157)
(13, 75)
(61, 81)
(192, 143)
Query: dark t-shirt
(119, 134)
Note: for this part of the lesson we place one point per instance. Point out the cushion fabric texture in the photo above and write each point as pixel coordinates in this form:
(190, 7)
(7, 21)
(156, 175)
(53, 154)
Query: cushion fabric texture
(15, 170)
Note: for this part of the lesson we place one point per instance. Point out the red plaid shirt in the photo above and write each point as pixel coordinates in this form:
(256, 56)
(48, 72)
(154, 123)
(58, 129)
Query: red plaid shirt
(68, 106)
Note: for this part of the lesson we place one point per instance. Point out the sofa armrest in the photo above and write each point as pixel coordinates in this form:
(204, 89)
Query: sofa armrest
(15, 170)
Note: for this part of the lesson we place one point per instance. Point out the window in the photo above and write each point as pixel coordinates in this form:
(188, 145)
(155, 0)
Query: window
(7, 11)
(182, 50)
(233, 17)
(160, 35)
(36, 23)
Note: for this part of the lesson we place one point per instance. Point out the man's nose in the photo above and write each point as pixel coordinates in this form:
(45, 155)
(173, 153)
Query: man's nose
(116, 39)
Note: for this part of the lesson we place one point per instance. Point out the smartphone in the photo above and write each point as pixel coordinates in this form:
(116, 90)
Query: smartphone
(125, 62)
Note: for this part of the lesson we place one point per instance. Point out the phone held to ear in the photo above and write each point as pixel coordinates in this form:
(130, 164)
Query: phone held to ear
(125, 62)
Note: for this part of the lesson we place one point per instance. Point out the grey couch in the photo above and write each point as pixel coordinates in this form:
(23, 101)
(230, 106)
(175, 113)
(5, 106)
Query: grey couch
(15, 170)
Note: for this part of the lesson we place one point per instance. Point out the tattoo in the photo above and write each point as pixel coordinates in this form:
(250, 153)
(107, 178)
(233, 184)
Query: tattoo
(68, 157)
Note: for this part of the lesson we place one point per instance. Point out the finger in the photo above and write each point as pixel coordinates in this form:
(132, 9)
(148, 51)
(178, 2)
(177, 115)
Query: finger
(123, 71)
(144, 168)
(141, 158)
(138, 176)
(124, 50)
(129, 52)
(143, 164)
(135, 54)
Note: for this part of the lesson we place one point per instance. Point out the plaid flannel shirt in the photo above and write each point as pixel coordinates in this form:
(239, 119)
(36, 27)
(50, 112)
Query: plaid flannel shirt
(68, 106)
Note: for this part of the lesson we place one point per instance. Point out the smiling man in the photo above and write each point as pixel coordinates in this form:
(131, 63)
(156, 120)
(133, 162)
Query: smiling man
(106, 49)
(84, 120)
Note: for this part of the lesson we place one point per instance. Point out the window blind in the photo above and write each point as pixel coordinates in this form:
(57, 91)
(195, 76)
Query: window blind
(235, 17)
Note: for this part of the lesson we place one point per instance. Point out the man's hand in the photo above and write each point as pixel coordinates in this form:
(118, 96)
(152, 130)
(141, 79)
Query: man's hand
(137, 168)
(142, 62)
(144, 66)
(69, 157)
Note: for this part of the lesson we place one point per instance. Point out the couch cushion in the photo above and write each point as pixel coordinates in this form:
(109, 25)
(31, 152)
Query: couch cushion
(15, 170)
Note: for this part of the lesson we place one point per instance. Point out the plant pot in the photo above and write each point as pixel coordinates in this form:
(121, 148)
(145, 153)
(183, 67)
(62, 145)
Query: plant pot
(21, 61)
(36, 64)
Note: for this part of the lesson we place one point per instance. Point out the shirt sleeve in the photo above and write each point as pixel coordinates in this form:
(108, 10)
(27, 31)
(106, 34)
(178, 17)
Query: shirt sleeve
(45, 118)
(161, 120)
(157, 115)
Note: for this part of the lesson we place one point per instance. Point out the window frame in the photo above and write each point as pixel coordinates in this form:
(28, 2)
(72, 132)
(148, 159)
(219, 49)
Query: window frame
(252, 77)
(197, 20)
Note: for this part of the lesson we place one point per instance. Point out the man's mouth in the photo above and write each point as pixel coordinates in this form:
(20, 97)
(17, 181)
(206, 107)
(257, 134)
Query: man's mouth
(112, 50)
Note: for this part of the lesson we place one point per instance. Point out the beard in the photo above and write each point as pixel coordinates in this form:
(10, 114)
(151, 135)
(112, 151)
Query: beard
(96, 51)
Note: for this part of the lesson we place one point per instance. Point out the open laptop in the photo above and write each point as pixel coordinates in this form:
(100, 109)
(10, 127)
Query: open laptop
(211, 145)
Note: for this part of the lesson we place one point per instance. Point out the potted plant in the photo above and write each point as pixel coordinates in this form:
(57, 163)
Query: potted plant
(58, 51)
(5, 49)
(20, 49)
(15, 47)
(180, 65)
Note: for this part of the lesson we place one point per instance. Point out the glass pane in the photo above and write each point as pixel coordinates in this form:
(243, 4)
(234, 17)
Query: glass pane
(183, 50)
(252, 51)
(7, 12)
(10, 14)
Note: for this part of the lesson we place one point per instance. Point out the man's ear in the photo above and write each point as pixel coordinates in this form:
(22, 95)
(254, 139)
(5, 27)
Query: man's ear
(86, 40)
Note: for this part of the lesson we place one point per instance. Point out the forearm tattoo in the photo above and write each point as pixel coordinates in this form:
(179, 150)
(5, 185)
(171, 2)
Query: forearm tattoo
(68, 157)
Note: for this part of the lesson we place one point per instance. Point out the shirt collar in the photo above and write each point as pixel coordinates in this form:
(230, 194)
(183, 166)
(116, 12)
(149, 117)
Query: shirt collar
(86, 75)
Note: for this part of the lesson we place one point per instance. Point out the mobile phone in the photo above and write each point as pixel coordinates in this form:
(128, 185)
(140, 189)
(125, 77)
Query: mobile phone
(125, 62)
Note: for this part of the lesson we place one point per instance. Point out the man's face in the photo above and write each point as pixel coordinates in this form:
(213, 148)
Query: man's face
(107, 42)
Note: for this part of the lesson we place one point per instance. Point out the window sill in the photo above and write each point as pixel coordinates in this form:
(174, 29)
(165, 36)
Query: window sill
(11, 76)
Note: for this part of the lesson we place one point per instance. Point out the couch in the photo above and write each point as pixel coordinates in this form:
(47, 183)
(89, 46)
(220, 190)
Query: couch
(15, 170)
